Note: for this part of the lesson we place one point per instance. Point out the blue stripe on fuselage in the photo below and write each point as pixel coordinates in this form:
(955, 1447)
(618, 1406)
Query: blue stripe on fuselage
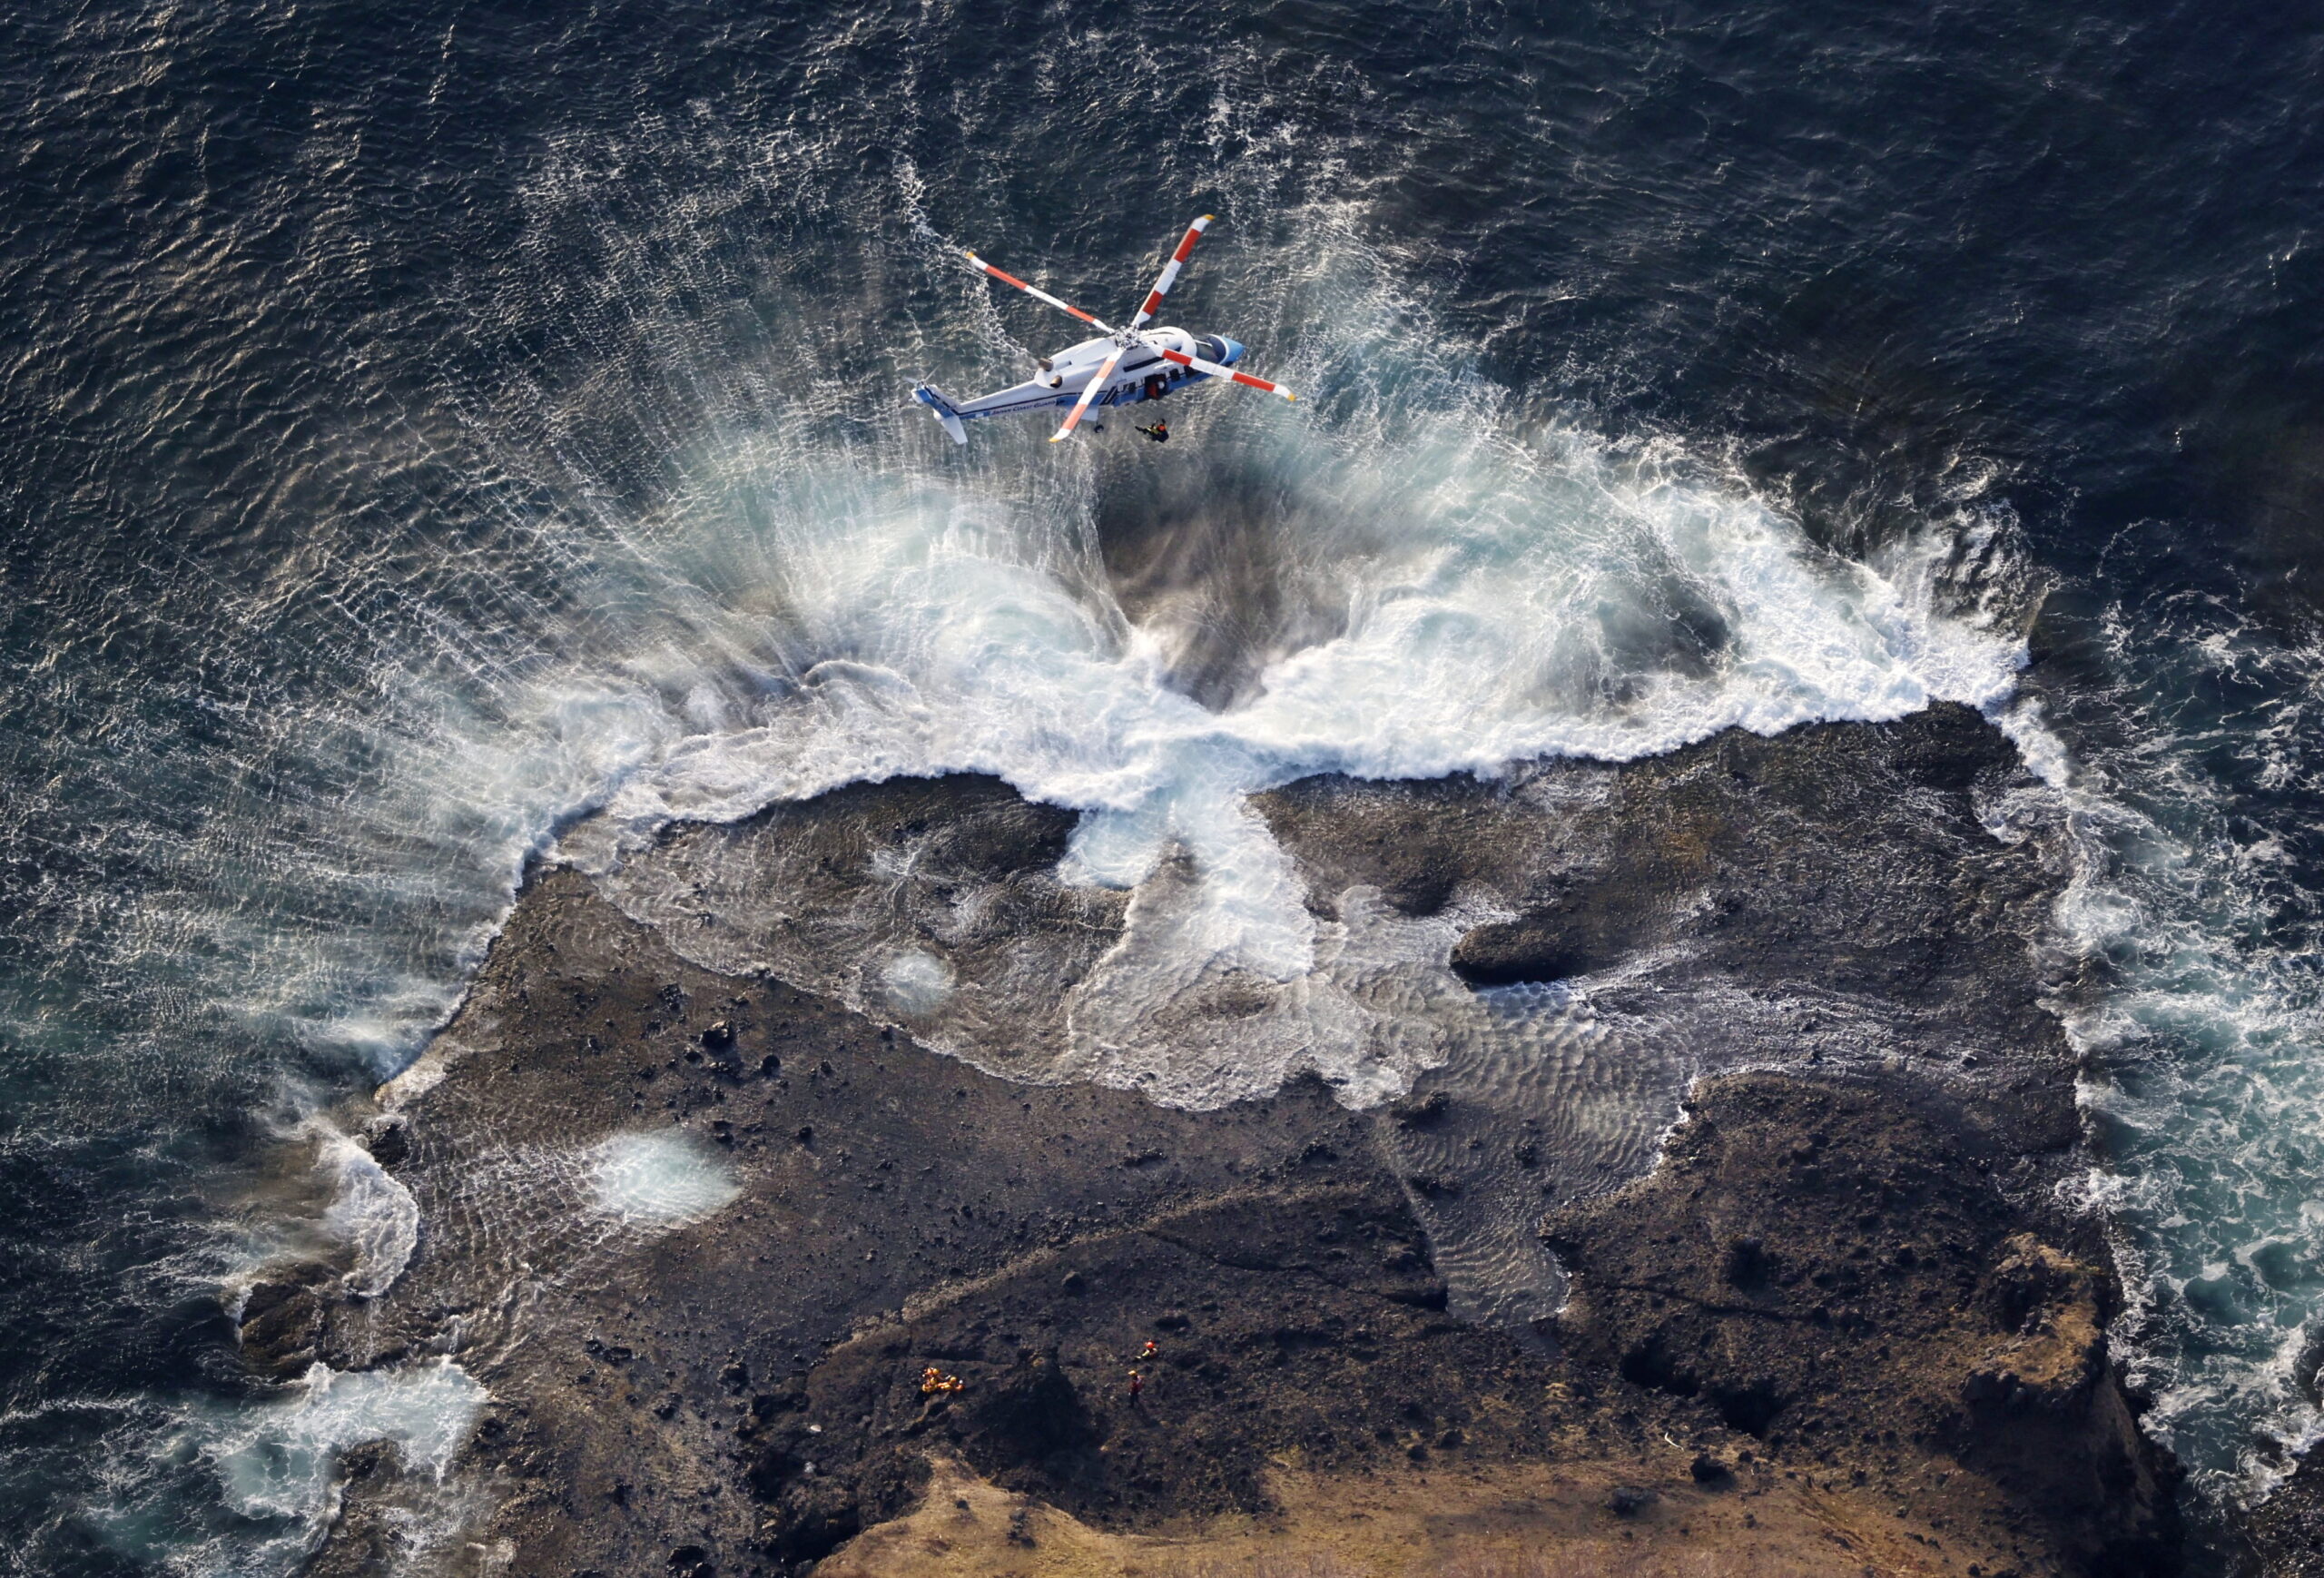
(1129, 394)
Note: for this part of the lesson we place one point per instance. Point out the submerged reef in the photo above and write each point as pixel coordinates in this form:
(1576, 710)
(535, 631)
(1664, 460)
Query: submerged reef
(1719, 1213)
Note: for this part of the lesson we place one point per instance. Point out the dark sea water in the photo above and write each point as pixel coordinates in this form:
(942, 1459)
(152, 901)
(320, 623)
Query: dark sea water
(420, 425)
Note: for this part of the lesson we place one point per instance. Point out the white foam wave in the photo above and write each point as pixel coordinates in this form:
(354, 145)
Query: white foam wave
(275, 1467)
(735, 597)
(2201, 1052)
(276, 1461)
(1508, 596)
(661, 1179)
(371, 1212)
(915, 981)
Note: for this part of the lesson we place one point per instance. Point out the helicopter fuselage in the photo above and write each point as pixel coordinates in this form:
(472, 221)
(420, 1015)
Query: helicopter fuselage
(1141, 375)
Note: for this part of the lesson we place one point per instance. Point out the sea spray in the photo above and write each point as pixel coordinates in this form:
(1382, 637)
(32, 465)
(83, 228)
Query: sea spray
(273, 1462)
(663, 1179)
(2197, 1010)
(276, 1461)
(371, 1213)
(1515, 601)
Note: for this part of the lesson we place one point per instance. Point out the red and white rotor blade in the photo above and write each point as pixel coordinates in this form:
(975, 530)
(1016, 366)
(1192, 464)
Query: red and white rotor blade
(1073, 417)
(1217, 370)
(1170, 273)
(1033, 291)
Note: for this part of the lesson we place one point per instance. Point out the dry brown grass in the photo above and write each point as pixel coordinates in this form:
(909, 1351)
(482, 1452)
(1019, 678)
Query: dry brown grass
(1260, 1565)
(1539, 1521)
(1590, 1560)
(1617, 1562)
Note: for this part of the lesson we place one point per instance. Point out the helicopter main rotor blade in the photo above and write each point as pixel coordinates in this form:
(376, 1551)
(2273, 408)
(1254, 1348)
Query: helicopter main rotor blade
(1034, 292)
(1217, 370)
(1090, 392)
(1170, 273)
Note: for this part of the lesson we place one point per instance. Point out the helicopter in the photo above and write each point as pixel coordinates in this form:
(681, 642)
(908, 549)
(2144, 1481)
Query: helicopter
(1121, 367)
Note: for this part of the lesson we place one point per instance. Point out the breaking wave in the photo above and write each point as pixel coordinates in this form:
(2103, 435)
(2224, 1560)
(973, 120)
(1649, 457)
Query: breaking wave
(1454, 588)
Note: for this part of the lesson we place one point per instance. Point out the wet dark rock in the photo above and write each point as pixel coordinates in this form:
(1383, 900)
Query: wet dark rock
(1993, 1353)
(363, 1537)
(1540, 947)
(2284, 1535)
(388, 1142)
(284, 1318)
(1752, 1296)
(1627, 1501)
(1833, 859)
(1424, 1113)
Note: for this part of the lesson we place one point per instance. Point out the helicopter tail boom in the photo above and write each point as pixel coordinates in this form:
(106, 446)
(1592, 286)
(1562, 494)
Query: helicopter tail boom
(929, 394)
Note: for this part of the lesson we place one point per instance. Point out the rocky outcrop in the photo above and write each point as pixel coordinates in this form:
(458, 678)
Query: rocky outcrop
(1145, 1379)
(2283, 1537)
(1848, 871)
(1838, 1270)
(841, 1264)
